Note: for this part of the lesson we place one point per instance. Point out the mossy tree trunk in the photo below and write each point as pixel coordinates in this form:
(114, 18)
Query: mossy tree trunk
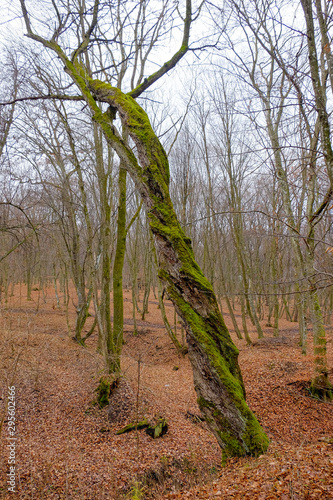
(320, 383)
(214, 357)
(315, 142)
(103, 315)
(180, 348)
(147, 277)
(217, 377)
(118, 265)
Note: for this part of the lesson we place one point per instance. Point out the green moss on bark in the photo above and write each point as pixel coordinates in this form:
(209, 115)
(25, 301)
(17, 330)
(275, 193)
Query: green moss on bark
(213, 354)
(153, 157)
(103, 392)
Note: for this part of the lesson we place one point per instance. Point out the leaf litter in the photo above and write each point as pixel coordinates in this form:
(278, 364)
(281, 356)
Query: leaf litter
(67, 448)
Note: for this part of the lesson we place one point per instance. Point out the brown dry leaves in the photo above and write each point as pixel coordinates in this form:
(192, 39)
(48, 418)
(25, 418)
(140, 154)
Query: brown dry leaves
(67, 449)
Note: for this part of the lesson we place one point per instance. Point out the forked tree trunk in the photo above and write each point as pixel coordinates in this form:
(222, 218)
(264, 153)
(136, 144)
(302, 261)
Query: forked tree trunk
(214, 357)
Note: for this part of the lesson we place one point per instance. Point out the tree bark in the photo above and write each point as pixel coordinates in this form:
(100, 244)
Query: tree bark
(320, 384)
(118, 299)
(214, 357)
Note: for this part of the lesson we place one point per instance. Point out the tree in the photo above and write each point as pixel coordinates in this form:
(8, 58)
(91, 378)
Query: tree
(275, 71)
(217, 377)
(320, 384)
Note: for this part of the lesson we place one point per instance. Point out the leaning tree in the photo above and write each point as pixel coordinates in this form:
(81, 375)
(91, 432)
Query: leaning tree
(214, 357)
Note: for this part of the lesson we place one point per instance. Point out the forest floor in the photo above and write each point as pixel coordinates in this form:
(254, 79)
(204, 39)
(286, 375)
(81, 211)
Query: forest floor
(67, 448)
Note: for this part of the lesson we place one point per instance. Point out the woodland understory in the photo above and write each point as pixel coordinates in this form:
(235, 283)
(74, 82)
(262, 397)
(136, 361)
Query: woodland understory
(67, 447)
(166, 247)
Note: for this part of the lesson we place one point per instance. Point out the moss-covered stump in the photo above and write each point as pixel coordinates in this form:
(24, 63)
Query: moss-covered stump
(321, 388)
(103, 392)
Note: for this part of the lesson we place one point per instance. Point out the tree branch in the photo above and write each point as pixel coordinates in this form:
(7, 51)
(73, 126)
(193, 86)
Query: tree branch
(62, 97)
(135, 216)
(321, 207)
(86, 38)
(173, 61)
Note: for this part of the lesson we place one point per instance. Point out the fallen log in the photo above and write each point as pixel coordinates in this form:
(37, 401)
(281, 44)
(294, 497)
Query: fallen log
(153, 430)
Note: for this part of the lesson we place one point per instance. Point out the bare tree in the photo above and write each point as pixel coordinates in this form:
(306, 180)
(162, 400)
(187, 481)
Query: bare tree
(217, 377)
(274, 68)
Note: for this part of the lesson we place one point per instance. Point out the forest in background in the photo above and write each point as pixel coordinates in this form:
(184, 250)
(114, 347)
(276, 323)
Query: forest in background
(243, 111)
(250, 169)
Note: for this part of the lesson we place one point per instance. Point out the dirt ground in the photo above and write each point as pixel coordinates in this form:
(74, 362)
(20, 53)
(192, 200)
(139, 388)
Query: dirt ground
(67, 448)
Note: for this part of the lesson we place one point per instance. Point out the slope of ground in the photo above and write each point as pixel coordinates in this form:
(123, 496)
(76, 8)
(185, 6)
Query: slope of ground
(66, 448)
